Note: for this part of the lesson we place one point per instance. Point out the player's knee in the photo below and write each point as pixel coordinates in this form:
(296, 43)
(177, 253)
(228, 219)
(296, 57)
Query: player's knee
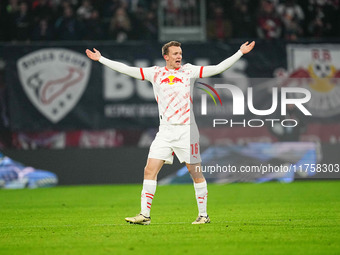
(196, 173)
(149, 172)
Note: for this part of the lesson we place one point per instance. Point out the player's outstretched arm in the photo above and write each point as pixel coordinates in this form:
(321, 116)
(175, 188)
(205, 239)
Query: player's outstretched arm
(225, 64)
(114, 65)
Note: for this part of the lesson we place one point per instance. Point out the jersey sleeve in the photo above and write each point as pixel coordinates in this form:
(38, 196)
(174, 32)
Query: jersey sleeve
(134, 72)
(196, 71)
(212, 70)
(147, 73)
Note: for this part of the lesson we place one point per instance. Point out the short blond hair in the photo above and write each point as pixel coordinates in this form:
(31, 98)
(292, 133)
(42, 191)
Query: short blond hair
(165, 48)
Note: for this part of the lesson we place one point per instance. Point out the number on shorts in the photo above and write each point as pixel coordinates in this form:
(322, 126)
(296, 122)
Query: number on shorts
(194, 148)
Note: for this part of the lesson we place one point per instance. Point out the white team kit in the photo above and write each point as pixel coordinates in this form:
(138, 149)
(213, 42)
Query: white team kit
(178, 133)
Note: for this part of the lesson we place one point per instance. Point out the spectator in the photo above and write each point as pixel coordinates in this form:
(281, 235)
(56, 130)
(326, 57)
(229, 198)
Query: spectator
(55, 3)
(132, 6)
(243, 21)
(171, 12)
(292, 16)
(219, 28)
(109, 8)
(22, 23)
(268, 22)
(144, 23)
(84, 12)
(42, 9)
(188, 14)
(317, 27)
(67, 27)
(138, 19)
(150, 25)
(12, 7)
(3, 26)
(120, 25)
(43, 31)
(224, 4)
(60, 9)
(94, 30)
(322, 18)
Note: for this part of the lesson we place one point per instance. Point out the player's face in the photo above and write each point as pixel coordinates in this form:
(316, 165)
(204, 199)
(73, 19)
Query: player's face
(174, 57)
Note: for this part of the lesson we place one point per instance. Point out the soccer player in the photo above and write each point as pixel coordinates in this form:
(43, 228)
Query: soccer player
(178, 132)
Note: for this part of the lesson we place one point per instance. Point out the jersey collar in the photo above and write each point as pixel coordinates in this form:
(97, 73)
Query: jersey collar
(174, 69)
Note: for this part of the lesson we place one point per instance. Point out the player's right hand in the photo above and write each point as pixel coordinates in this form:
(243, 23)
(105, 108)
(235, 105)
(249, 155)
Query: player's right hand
(93, 55)
(247, 47)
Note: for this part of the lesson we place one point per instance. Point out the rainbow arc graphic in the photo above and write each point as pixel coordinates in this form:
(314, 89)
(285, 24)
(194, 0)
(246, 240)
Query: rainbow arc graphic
(209, 93)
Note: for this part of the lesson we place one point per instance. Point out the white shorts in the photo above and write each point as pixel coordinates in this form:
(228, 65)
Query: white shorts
(182, 140)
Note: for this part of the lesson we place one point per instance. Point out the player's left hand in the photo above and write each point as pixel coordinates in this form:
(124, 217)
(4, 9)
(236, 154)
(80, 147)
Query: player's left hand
(247, 47)
(94, 55)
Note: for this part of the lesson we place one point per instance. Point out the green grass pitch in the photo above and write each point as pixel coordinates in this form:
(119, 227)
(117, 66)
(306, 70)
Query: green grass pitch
(269, 218)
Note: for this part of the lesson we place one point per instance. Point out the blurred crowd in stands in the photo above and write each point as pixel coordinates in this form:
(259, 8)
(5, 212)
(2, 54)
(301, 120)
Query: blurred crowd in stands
(42, 20)
(273, 19)
(120, 20)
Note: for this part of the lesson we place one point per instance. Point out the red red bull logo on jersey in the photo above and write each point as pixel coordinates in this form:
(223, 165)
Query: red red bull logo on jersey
(171, 80)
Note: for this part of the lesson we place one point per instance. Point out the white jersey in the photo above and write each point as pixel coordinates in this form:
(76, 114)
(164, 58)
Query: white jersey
(173, 91)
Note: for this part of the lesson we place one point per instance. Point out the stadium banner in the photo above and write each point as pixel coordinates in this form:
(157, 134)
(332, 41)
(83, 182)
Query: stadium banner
(59, 98)
(59, 88)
